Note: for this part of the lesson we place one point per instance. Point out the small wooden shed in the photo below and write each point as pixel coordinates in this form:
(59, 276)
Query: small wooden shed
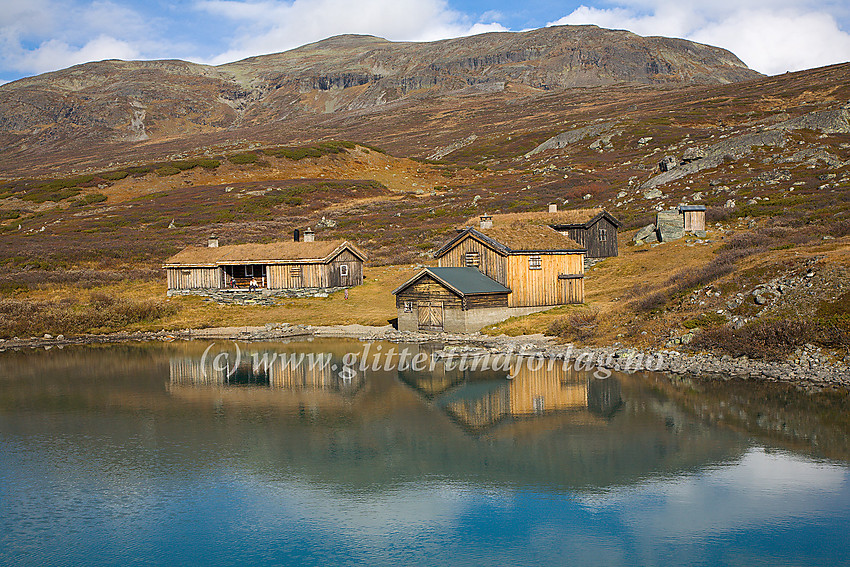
(452, 300)
(693, 217)
(593, 229)
(276, 265)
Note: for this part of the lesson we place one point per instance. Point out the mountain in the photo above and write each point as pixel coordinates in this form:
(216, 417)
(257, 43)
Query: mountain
(88, 107)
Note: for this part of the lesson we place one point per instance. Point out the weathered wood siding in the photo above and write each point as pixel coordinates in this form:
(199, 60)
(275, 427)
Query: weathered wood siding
(590, 238)
(489, 300)
(282, 276)
(491, 263)
(694, 220)
(428, 289)
(194, 278)
(572, 290)
(531, 288)
(286, 276)
(355, 270)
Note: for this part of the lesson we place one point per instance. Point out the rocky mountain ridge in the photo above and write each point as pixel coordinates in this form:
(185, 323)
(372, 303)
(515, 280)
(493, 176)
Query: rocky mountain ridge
(119, 101)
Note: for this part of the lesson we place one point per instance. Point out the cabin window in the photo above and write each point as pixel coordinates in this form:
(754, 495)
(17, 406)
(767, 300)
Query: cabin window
(343, 271)
(408, 307)
(295, 271)
(186, 272)
(603, 234)
(473, 260)
(535, 263)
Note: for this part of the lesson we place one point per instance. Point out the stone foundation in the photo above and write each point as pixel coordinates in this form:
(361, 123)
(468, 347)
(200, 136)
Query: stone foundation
(265, 297)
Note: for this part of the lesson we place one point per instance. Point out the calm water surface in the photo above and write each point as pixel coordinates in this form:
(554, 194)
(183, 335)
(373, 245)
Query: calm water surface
(147, 455)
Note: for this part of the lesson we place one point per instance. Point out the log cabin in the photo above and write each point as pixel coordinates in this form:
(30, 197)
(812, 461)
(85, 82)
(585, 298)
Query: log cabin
(540, 266)
(452, 300)
(297, 264)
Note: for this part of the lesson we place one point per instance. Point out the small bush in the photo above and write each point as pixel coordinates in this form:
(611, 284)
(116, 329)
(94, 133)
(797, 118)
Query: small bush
(166, 170)
(90, 199)
(115, 175)
(243, 159)
(652, 302)
(705, 320)
(769, 339)
(580, 325)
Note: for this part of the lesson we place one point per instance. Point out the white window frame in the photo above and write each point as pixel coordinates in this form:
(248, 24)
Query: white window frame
(535, 263)
(472, 259)
(343, 270)
(603, 234)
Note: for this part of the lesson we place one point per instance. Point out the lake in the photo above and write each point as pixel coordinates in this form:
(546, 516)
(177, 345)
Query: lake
(192, 453)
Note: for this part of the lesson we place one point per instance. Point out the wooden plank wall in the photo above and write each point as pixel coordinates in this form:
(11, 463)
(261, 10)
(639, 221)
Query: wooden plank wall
(489, 300)
(589, 238)
(194, 278)
(492, 264)
(531, 288)
(281, 276)
(318, 274)
(694, 220)
(429, 289)
(355, 270)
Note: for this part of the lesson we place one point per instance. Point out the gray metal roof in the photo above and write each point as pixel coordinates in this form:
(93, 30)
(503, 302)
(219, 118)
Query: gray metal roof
(691, 208)
(464, 281)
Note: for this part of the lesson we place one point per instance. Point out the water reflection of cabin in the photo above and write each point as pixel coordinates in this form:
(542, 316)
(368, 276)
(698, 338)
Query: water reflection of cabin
(276, 265)
(479, 400)
(274, 375)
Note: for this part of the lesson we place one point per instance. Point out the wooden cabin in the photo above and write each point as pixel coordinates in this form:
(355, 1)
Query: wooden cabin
(452, 300)
(277, 265)
(540, 266)
(693, 217)
(593, 229)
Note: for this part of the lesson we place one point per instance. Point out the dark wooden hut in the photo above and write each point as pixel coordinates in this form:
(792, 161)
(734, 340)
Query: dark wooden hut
(454, 300)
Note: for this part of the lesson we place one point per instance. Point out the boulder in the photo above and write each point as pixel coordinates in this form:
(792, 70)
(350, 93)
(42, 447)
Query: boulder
(653, 194)
(693, 154)
(670, 225)
(646, 234)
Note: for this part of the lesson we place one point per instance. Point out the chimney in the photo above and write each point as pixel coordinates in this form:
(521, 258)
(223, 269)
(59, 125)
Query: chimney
(553, 207)
(309, 235)
(296, 236)
(212, 242)
(486, 221)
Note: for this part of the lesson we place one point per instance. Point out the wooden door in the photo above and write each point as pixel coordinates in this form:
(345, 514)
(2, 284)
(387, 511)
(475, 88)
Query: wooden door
(430, 315)
(572, 290)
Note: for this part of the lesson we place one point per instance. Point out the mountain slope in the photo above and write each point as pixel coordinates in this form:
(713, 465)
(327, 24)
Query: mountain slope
(115, 101)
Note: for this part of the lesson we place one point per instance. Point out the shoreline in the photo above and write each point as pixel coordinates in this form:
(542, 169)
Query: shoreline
(810, 368)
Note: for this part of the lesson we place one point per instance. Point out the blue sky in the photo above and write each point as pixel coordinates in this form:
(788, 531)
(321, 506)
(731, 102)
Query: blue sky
(771, 36)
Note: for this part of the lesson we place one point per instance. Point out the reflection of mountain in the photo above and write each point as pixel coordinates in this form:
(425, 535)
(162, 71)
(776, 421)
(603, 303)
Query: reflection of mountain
(479, 400)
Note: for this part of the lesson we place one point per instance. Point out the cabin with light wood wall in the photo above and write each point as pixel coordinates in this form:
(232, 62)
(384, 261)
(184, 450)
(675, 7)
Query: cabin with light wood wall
(539, 265)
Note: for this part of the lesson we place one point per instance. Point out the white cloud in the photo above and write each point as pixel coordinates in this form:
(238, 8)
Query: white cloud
(44, 35)
(56, 54)
(269, 26)
(771, 36)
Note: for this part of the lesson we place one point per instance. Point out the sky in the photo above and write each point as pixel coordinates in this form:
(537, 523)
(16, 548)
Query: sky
(36, 36)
